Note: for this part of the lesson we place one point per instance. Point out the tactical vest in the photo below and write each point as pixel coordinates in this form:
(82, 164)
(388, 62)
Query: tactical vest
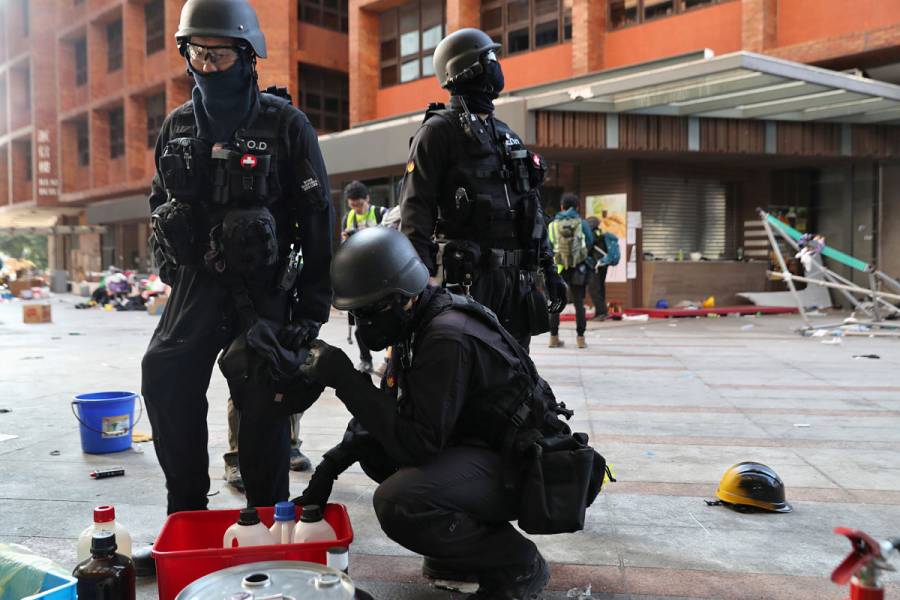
(509, 419)
(490, 191)
(234, 190)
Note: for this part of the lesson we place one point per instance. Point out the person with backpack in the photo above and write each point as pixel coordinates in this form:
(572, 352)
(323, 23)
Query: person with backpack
(460, 432)
(362, 213)
(571, 238)
(604, 252)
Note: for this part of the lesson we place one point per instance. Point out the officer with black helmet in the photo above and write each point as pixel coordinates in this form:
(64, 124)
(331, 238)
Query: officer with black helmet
(241, 228)
(442, 435)
(470, 182)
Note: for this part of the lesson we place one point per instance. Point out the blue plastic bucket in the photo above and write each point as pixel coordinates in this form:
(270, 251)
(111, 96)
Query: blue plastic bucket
(106, 419)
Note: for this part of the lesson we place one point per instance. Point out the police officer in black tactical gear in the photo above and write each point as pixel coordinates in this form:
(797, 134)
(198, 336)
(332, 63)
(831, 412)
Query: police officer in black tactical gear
(470, 182)
(239, 195)
(443, 434)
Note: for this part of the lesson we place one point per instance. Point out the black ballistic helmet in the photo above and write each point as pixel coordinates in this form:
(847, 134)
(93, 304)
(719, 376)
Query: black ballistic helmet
(374, 264)
(456, 58)
(222, 18)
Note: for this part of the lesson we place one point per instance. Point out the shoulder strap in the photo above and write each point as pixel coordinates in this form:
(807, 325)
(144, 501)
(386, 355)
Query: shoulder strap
(183, 122)
(380, 211)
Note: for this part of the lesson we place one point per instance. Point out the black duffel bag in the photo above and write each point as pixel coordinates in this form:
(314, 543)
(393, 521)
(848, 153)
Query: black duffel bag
(562, 477)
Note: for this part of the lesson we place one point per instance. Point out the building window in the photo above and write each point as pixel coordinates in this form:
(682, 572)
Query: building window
(623, 13)
(156, 114)
(82, 143)
(116, 132)
(114, 45)
(331, 14)
(26, 154)
(154, 26)
(324, 97)
(409, 35)
(26, 18)
(26, 86)
(522, 25)
(81, 64)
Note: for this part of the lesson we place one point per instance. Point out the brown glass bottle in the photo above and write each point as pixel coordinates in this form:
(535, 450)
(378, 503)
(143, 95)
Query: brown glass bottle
(105, 575)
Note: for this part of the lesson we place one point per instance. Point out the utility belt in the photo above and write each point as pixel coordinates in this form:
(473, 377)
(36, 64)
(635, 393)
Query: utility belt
(463, 260)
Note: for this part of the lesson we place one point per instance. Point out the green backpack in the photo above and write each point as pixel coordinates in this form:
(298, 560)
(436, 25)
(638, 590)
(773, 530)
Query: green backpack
(569, 246)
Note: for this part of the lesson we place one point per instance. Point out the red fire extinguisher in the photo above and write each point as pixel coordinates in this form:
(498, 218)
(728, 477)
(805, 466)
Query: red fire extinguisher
(864, 564)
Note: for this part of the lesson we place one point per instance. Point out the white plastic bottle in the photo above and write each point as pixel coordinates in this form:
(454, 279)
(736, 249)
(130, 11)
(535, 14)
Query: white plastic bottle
(104, 520)
(248, 531)
(285, 518)
(313, 527)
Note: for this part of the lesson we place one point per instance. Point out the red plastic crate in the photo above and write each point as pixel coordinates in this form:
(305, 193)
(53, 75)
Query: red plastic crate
(190, 545)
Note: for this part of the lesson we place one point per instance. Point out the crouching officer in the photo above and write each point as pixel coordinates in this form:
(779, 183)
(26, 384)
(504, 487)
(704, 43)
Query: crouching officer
(240, 191)
(453, 435)
(470, 182)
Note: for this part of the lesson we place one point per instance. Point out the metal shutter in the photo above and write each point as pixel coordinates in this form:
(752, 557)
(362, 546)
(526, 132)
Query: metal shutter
(691, 215)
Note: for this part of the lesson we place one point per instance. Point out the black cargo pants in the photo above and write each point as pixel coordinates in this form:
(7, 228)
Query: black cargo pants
(505, 291)
(454, 507)
(198, 322)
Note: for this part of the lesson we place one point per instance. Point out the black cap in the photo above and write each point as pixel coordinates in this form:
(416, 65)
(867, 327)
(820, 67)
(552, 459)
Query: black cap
(312, 513)
(249, 516)
(103, 542)
(356, 189)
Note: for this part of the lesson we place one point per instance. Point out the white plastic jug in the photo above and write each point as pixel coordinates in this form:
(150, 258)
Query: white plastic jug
(313, 527)
(104, 520)
(248, 531)
(285, 518)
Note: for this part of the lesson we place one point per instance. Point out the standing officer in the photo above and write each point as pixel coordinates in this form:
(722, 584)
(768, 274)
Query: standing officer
(442, 435)
(240, 191)
(471, 182)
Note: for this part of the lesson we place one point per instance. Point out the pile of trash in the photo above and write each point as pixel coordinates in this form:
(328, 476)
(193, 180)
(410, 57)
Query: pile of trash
(122, 291)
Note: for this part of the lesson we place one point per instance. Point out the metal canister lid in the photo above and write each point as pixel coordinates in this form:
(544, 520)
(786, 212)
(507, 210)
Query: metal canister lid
(287, 580)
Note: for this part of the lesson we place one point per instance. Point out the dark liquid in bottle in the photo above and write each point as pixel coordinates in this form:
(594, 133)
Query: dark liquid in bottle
(105, 576)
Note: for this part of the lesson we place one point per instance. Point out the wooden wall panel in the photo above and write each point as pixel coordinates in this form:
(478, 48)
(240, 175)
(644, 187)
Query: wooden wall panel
(653, 132)
(809, 139)
(732, 136)
(876, 141)
(570, 130)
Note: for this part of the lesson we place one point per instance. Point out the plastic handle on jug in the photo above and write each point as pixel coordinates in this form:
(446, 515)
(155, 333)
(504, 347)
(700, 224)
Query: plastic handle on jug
(228, 540)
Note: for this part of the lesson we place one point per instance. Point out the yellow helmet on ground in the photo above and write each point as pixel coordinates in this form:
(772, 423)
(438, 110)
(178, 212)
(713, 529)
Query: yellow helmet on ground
(752, 484)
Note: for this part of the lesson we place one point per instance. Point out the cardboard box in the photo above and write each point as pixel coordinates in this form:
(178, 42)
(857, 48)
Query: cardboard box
(36, 313)
(25, 284)
(156, 304)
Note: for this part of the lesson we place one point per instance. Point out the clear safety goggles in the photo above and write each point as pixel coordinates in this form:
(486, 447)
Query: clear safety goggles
(221, 57)
(490, 56)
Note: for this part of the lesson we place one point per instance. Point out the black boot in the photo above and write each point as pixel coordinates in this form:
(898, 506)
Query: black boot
(444, 570)
(514, 583)
(144, 565)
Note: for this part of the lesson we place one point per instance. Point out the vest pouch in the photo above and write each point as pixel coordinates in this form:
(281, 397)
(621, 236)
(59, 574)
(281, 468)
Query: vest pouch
(461, 259)
(557, 480)
(531, 224)
(249, 242)
(172, 227)
(247, 180)
(183, 167)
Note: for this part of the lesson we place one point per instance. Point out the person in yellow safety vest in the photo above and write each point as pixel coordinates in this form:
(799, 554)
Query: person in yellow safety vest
(361, 214)
(571, 237)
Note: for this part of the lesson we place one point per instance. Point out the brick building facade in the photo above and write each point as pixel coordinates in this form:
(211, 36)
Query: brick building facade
(84, 84)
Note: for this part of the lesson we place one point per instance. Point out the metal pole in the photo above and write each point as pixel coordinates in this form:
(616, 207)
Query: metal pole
(784, 268)
(788, 277)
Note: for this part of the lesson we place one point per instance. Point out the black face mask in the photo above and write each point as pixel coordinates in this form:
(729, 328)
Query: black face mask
(382, 329)
(224, 98)
(480, 92)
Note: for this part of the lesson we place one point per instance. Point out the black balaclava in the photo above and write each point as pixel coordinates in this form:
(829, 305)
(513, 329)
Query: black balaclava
(385, 328)
(222, 99)
(480, 92)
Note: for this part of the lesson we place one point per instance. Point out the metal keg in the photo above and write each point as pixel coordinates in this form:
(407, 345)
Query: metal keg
(273, 580)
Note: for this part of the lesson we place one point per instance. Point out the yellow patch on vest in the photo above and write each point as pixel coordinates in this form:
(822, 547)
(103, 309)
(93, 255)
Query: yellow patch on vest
(410, 167)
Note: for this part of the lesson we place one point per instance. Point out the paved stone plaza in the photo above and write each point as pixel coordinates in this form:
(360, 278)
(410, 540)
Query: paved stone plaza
(671, 404)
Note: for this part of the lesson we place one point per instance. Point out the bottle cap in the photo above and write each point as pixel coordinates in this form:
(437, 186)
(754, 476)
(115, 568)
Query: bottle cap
(338, 558)
(285, 511)
(249, 516)
(312, 513)
(103, 542)
(104, 514)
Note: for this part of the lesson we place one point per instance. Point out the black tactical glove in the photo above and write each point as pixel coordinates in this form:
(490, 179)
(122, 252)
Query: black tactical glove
(327, 365)
(556, 290)
(294, 336)
(320, 484)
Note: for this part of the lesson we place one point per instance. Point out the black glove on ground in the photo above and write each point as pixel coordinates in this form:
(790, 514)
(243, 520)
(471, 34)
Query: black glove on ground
(328, 365)
(320, 484)
(556, 290)
(294, 336)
